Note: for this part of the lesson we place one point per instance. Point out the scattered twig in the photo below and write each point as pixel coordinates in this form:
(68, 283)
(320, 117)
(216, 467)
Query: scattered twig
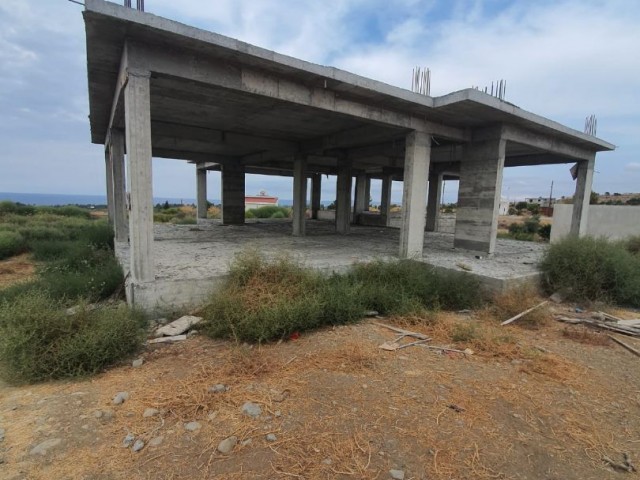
(609, 316)
(513, 319)
(625, 345)
(419, 342)
(406, 333)
(444, 349)
(456, 408)
(623, 467)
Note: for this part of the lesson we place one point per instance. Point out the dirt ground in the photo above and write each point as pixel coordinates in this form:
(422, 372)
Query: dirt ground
(16, 269)
(544, 403)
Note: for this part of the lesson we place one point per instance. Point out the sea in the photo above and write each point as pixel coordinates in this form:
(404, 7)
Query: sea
(95, 200)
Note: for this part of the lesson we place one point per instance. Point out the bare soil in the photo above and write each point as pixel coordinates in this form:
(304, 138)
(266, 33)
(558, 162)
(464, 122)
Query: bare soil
(16, 269)
(531, 403)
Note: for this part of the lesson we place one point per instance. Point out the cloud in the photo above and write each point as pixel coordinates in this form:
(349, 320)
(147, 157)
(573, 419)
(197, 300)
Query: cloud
(632, 167)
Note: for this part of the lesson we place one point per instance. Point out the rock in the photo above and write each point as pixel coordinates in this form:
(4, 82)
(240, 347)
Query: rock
(218, 388)
(178, 326)
(137, 363)
(150, 412)
(556, 298)
(226, 445)
(579, 310)
(139, 445)
(120, 398)
(192, 426)
(128, 440)
(271, 437)
(2, 432)
(44, 447)
(156, 441)
(397, 474)
(175, 338)
(371, 313)
(251, 409)
(246, 442)
(107, 415)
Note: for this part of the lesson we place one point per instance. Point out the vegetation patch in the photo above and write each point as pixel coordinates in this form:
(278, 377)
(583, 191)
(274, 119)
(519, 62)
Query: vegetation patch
(269, 299)
(593, 269)
(39, 340)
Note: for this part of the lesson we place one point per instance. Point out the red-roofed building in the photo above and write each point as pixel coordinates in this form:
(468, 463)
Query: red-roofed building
(260, 200)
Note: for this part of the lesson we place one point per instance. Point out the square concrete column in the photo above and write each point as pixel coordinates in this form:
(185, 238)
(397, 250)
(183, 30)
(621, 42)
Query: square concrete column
(367, 194)
(385, 200)
(121, 222)
(582, 197)
(434, 200)
(109, 177)
(137, 107)
(233, 194)
(343, 197)
(201, 192)
(360, 200)
(299, 195)
(479, 192)
(316, 193)
(414, 194)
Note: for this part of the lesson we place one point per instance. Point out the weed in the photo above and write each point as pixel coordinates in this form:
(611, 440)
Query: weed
(39, 341)
(11, 243)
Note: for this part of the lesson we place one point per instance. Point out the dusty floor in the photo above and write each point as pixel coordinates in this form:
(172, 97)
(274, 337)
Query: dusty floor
(529, 404)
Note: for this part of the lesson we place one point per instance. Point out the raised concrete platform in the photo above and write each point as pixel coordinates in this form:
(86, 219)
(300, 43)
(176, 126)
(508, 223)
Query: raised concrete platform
(191, 261)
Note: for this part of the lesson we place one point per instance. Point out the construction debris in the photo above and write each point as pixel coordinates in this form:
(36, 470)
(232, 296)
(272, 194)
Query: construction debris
(175, 338)
(611, 323)
(520, 315)
(404, 333)
(625, 345)
(178, 327)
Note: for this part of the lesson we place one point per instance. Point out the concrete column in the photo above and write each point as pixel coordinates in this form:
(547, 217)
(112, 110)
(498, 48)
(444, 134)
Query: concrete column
(316, 191)
(201, 192)
(367, 194)
(434, 200)
(121, 223)
(360, 200)
(137, 105)
(108, 164)
(233, 194)
(481, 172)
(343, 197)
(385, 200)
(582, 197)
(414, 194)
(299, 195)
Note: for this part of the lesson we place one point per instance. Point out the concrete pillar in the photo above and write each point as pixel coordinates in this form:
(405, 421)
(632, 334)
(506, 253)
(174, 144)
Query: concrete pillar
(201, 192)
(360, 200)
(137, 105)
(108, 164)
(343, 197)
(121, 222)
(367, 194)
(299, 195)
(434, 200)
(316, 191)
(233, 194)
(481, 172)
(414, 194)
(385, 200)
(582, 197)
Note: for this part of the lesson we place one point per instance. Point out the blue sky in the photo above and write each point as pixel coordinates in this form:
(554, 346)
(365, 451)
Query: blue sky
(561, 59)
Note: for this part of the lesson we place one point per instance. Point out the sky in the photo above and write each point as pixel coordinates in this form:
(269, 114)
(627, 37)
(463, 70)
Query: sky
(563, 60)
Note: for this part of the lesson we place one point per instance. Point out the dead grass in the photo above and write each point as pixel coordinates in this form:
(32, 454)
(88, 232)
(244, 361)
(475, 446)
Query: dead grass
(16, 269)
(585, 335)
(512, 302)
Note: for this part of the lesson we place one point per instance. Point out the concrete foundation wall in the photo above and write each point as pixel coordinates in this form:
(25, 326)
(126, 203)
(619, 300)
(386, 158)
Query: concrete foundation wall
(611, 221)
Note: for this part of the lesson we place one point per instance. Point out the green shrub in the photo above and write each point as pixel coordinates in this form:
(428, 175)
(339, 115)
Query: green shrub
(65, 211)
(184, 220)
(98, 234)
(590, 268)
(40, 232)
(545, 231)
(264, 300)
(45, 250)
(632, 244)
(249, 214)
(39, 341)
(268, 211)
(11, 243)
(16, 208)
(278, 215)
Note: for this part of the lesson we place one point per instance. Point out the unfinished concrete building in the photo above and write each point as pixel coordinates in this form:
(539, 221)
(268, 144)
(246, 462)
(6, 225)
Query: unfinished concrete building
(158, 88)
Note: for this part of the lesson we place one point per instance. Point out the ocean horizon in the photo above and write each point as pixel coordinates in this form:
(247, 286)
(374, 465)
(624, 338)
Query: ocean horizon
(52, 199)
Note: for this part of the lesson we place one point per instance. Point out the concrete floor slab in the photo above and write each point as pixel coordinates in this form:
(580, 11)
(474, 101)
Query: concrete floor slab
(190, 260)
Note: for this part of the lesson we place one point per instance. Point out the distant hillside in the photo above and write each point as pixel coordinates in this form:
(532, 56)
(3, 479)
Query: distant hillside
(619, 198)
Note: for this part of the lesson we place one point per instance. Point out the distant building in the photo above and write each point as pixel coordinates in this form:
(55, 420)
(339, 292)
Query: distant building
(260, 200)
(542, 201)
(503, 209)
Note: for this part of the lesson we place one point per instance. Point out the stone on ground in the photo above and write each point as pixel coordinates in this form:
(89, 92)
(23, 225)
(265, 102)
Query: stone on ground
(137, 363)
(192, 426)
(397, 474)
(139, 445)
(44, 447)
(178, 326)
(226, 445)
(251, 409)
(120, 398)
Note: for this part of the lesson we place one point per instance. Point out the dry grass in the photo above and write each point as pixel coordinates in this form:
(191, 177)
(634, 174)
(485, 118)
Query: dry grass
(510, 303)
(585, 335)
(16, 269)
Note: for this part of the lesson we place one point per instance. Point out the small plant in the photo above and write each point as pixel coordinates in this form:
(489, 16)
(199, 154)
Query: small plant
(11, 243)
(40, 341)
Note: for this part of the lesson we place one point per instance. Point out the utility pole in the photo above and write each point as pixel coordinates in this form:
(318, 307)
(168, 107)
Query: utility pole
(551, 194)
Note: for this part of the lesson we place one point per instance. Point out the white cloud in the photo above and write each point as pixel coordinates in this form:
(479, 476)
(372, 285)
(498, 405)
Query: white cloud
(632, 167)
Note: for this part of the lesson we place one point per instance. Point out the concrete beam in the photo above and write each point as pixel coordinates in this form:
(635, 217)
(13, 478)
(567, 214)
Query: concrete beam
(299, 195)
(138, 132)
(198, 67)
(233, 193)
(116, 116)
(582, 197)
(201, 192)
(479, 195)
(414, 194)
(120, 224)
(316, 193)
(343, 197)
(434, 200)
